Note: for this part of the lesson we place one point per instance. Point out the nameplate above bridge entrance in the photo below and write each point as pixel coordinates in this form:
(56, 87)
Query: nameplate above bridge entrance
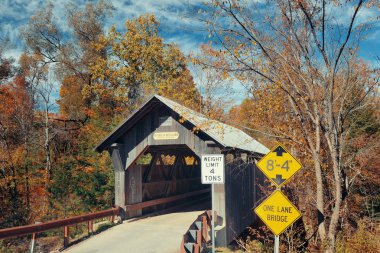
(277, 212)
(166, 136)
(212, 169)
(279, 165)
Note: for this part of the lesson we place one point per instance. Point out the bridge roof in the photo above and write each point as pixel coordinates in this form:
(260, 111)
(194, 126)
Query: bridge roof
(225, 135)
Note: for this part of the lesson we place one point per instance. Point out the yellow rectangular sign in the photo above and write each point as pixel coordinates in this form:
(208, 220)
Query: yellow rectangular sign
(166, 136)
(277, 212)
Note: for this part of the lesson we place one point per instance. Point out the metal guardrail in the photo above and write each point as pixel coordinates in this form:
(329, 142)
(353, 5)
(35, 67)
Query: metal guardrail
(116, 211)
(197, 235)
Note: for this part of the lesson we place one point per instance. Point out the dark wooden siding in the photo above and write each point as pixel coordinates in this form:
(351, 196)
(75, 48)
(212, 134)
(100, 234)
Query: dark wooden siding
(141, 135)
(242, 193)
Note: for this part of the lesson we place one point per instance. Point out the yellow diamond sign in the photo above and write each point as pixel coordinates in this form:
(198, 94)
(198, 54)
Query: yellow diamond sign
(277, 212)
(279, 165)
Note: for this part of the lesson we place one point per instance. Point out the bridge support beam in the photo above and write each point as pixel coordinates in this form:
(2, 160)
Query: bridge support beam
(133, 184)
(118, 161)
(220, 222)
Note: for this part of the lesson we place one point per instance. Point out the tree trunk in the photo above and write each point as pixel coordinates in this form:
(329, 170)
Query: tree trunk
(48, 159)
(26, 168)
(320, 200)
(337, 203)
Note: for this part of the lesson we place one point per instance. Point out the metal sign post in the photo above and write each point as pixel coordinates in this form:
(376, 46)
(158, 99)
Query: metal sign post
(212, 169)
(277, 244)
(212, 219)
(277, 237)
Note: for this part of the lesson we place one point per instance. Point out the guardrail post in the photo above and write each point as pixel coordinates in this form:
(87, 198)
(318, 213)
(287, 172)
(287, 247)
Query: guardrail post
(90, 225)
(204, 228)
(32, 243)
(196, 248)
(182, 249)
(199, 237)
(66, 237)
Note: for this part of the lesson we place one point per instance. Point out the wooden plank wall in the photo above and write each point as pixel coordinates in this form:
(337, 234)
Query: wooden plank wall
(242, 194)
(133, 189)
(141, 135)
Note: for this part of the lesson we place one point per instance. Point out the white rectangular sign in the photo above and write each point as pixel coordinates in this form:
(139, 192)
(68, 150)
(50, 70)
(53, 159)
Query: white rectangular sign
(212, 169)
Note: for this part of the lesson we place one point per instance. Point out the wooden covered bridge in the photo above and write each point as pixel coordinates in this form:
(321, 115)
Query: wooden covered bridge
(156, 157)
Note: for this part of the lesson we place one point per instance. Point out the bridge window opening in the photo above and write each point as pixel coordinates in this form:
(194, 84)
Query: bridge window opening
(190, 160)
(144, 159)
(166, 160)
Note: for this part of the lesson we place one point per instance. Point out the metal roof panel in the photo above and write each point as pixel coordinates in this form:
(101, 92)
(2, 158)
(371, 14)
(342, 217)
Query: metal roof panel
(224, 134)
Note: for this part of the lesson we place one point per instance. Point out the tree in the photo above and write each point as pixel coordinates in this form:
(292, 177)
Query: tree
(297, 49)
(139, 64)
(6, 64)
(16, 113)
(213, 83)
(72, 104)
(55, 56)
(73, 54)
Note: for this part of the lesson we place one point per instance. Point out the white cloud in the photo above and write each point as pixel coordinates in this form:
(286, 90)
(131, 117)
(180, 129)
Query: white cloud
(374, 36)
(13, 53)
(185, 42)
(172, 14)
(342, 16)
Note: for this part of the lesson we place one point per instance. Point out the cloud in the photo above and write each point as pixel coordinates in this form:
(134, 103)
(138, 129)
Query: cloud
(178, 20)
(172, 14)
(14, 53)
(342, 16)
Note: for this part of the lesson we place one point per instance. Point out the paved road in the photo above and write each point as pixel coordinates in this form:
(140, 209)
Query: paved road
(156, 234)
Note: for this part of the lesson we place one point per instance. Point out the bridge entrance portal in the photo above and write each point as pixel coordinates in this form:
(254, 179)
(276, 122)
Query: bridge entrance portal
(161, 172)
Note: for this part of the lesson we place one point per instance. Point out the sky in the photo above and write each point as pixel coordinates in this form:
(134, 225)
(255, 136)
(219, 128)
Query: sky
(178, 24)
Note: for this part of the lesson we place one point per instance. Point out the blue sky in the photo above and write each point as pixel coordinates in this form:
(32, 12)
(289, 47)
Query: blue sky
(178, 23)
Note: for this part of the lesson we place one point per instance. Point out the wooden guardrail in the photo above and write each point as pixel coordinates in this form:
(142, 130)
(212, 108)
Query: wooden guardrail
(116, 211)
(38, 228)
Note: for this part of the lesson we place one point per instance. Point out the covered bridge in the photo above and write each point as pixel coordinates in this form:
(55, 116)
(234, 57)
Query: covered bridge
(156, 155)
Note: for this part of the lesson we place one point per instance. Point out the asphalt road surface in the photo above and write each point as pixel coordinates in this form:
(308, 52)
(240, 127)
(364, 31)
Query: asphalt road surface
(157, 234)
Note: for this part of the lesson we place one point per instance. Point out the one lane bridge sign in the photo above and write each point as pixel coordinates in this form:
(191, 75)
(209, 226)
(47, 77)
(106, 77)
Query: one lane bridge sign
(279, 165)
(212, 169)
(277, 212)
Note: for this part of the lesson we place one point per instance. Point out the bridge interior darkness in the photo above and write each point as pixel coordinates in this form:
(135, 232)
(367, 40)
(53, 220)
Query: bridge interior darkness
(169, 170)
